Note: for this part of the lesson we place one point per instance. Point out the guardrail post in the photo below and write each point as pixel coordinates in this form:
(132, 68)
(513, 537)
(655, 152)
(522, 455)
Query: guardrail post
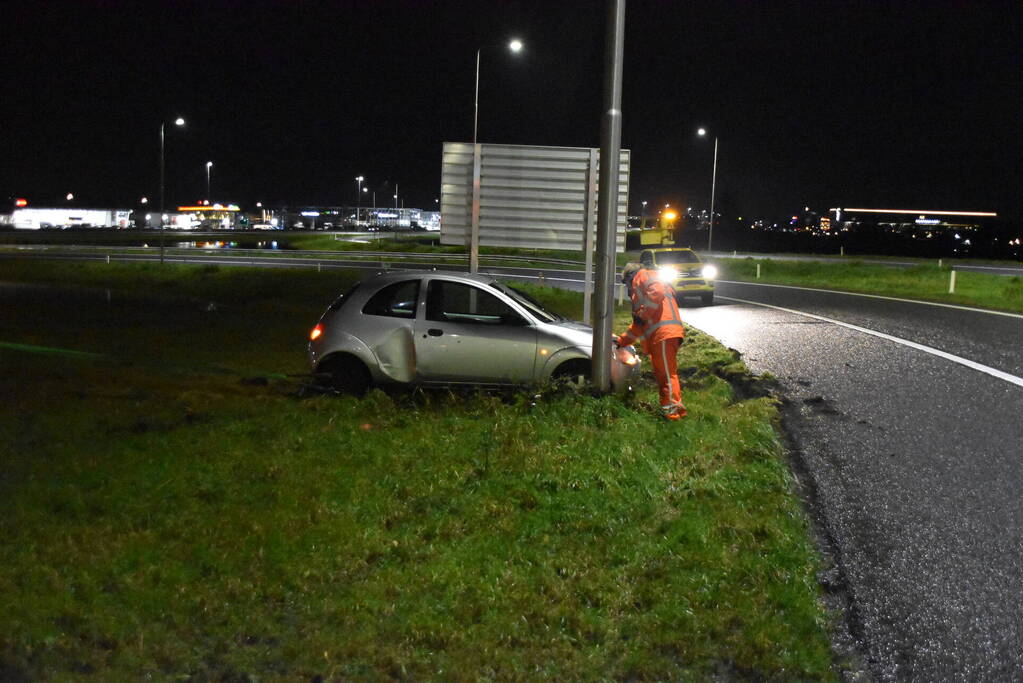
(108, 258)
(939, 263)
(758, 271)
(539, 278)
(952, 283)
(841, 250)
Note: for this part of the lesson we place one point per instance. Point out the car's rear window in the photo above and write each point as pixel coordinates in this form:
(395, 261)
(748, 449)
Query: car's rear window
(666, 258)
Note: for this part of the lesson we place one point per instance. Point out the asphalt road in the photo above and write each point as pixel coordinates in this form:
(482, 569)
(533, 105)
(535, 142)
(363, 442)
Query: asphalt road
(907, 426)
(916, 466)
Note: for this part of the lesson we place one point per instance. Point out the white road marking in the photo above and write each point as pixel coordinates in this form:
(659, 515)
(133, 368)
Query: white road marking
(1012, 379)
(876, 296)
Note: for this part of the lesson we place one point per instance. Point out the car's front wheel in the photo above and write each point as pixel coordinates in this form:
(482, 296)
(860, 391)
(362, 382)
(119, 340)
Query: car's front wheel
(345, 375)
(574, 372)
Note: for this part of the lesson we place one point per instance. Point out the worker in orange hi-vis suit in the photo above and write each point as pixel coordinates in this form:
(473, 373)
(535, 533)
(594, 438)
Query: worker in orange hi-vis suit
(657, 324)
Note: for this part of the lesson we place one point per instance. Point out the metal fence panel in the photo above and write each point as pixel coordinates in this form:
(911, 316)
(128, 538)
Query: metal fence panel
(531, 197)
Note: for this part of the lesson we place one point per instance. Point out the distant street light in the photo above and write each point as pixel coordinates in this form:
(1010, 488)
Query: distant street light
(69, 196)
(163, 216)
(209, 165)
(713, 183)
(474, 229)
(515, 46)
(358, 196)
(144, 200)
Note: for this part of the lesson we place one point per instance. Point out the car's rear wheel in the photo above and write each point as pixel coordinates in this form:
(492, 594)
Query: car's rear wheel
(345, 375)
(574, 372)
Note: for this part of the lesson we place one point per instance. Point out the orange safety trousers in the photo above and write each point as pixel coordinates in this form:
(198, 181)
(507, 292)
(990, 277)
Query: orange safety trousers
(664, 356)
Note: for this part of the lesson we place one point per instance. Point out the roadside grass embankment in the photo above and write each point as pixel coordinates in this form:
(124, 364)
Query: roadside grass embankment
(172, 508)
(925, 282)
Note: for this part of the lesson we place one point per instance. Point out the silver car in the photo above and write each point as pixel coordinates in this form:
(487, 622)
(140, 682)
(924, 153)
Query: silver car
(445, 328)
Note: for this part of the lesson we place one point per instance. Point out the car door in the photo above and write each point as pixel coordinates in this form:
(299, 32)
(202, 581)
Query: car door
(386, 326)
(470, 334)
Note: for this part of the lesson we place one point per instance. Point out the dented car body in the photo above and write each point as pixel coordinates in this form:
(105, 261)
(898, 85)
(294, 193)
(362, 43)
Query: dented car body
(430, 327)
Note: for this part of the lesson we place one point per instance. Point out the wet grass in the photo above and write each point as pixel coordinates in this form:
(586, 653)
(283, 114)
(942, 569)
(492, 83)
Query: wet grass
(925, 282)
(175, 507)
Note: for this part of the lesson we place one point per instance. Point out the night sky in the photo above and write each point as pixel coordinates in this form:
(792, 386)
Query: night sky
(894, 104)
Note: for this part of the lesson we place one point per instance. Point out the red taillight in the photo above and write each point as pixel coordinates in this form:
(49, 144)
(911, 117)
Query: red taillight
(317, 331)
(20, 202)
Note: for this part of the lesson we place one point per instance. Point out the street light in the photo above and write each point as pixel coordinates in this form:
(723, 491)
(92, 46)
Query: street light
(515, 46)
(358, 196)
(209, 165)
(474, 229)
(713, 183)
(177, 122)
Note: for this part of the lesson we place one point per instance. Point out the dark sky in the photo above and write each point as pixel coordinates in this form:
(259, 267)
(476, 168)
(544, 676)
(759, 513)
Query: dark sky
(878, 104)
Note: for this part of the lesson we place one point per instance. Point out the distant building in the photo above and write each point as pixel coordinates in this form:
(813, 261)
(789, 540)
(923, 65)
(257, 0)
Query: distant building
(41, 218)
(913, 223)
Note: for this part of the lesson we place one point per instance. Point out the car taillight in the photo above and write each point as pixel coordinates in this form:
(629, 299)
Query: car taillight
(317, 331)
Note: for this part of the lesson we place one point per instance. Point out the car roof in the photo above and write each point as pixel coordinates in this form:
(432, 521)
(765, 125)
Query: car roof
(457, 276)
(660, 249)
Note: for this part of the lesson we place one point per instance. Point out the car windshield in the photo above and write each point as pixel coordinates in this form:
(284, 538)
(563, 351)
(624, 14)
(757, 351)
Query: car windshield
(529, 303)
(667, 258)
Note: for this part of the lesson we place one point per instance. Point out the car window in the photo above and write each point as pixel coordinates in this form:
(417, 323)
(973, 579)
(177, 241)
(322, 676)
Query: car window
(666, 258)
(457, 302)
(397, 300)
(528, 302)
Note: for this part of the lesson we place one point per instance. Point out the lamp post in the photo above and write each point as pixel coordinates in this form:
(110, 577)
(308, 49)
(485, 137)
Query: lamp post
(713, 182)
(474, 228)
(358, 197)
(209, 165)
(515, 46)
(177, 122)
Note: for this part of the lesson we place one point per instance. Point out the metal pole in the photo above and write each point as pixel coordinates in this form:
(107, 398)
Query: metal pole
(476, 102)
(713, 184)
(474, 227)
(589, 225)
(607, 196)
(162, 123)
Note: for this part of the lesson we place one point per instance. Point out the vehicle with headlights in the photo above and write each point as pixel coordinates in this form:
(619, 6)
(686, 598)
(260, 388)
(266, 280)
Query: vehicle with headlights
(681, 268)
(443, 328)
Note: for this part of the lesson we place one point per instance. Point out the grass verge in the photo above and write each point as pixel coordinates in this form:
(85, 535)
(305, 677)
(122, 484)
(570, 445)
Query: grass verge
(926, 282)
(168, 511)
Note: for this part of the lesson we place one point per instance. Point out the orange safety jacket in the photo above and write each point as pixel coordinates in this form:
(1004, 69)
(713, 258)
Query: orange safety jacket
(654, 312)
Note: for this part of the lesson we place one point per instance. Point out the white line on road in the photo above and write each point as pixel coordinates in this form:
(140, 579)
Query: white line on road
(1012, 379)
(875, 296)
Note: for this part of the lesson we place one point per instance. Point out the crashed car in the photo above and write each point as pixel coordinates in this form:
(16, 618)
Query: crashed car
(442, 328)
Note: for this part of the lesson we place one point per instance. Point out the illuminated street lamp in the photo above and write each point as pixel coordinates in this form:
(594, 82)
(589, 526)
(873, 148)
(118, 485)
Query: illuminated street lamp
(358, 196)
(70, 196)
(515, 46)
(163, 216)
(209, 165)
(713, 182)
(474, 229)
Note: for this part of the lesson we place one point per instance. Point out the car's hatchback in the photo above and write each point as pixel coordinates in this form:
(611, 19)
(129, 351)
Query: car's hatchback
(433, 327)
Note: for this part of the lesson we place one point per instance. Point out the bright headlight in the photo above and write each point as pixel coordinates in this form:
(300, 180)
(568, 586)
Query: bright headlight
(667, 274)
(710, 272)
